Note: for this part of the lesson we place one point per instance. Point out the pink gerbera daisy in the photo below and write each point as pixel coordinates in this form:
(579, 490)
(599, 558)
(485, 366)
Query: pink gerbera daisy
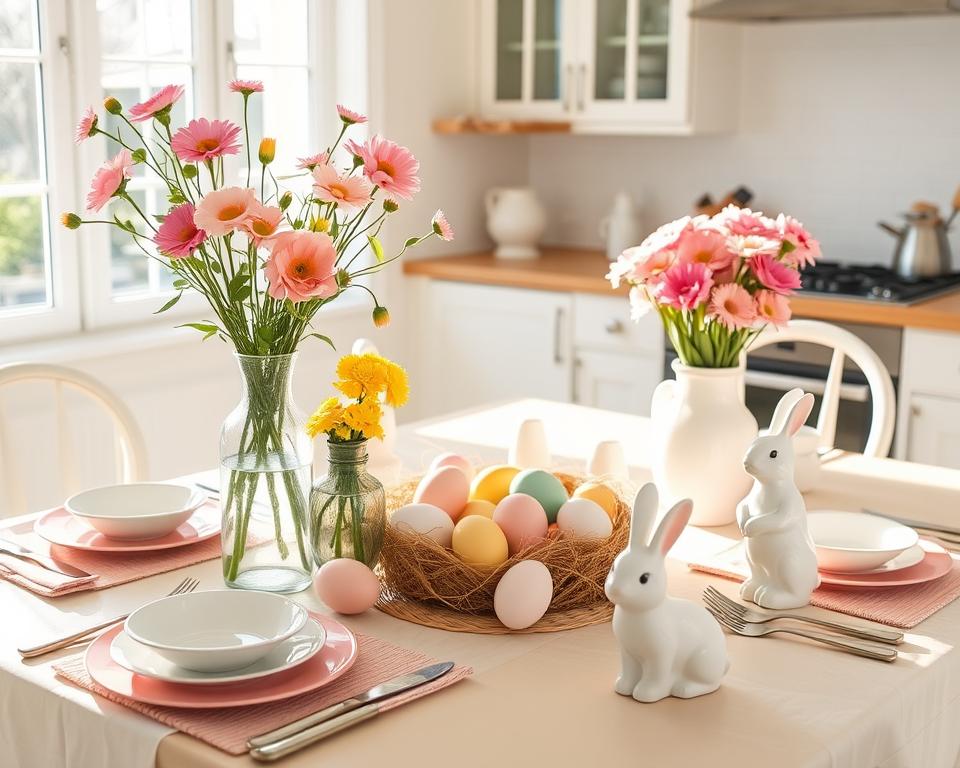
(246, 87)
(262, 223)
(388, 165)
(774, 274)
(348, 192)
(441, 226)
(108, 179)
(772, 308)
(302, 266)
(743, 221)
(225, 210)
(162, 100)
(806, 250)
(87, 126)
(705, 246)
(312, 161)
(203, 139)
(178, 235)
(350, 117)
(733, 306)
(685, 286)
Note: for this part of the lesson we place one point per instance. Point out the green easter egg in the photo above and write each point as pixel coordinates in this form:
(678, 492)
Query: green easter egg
(544, 487)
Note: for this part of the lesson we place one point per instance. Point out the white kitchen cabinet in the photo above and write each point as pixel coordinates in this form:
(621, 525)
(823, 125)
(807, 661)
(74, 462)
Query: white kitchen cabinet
(934, 431)
(608, 66)
(615, 382)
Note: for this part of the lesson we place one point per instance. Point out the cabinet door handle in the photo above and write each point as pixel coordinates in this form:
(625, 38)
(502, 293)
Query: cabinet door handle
(581, 88)
(557, 334)
(614, 325)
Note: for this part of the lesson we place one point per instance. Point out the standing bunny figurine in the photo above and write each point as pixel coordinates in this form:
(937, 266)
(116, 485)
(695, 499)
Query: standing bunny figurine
(773, 516)
(668, 646)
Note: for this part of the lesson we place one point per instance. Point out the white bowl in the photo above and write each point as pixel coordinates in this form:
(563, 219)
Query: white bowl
(218, 630)
(136, 511)
(852, 542)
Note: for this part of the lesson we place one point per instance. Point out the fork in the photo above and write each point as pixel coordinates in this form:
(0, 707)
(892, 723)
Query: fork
(185, 586)
(855, 647)
(749, 616)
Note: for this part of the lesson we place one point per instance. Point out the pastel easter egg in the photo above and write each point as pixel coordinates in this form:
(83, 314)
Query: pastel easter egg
(479, 541)
(583, 517)
(522, 520)
(493, 483)
(453, 460)
(544, 487)
(480, 507)
(523, 594)
(346, 586)
(446, 488)
(602, 494)
(425, 519)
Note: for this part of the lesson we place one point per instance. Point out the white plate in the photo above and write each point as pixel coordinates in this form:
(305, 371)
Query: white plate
(136, 511)
(906, 559)
(854, 542)
(218, 630)
(130, 654)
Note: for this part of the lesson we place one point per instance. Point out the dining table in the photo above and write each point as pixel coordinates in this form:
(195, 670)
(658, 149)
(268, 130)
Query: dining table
(547, 698)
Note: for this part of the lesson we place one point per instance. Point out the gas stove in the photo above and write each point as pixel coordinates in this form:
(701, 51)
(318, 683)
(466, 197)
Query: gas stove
(873, 283)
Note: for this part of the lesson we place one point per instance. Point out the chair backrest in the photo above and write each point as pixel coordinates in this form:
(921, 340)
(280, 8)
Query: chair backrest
(131, 454)
(844, 344)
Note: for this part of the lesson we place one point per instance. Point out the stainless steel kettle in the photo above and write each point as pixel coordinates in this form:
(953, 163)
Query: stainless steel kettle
(922, 248)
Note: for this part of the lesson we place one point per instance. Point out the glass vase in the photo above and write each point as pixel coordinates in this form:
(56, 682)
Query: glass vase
(348, 508)
(265, 475)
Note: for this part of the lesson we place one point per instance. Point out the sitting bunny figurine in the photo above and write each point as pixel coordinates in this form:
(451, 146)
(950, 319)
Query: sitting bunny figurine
(773, 516)
(668, 646)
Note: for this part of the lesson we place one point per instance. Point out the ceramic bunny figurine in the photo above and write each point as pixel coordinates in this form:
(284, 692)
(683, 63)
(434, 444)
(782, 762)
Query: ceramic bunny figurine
(668, 646)
(773, 516)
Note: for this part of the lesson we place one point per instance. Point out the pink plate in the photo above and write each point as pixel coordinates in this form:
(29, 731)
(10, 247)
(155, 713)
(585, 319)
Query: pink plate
(937, 562)
(60, 527)
(337, 656)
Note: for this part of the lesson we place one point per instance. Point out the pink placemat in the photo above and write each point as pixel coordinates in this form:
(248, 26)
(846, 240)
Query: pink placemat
(903, 607)
(110, 568)
(229, 728)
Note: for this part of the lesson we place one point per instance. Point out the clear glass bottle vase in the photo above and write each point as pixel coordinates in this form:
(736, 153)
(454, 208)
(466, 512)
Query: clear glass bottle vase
(265, 474)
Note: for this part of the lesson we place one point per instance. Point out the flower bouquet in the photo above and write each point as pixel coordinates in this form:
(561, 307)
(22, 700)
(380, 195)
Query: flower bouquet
(266, 260)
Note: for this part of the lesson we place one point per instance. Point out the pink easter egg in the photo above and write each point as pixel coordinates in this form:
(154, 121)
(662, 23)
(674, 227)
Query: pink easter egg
(453, 460)
(522, 520)
(347, 586)
(447, 488)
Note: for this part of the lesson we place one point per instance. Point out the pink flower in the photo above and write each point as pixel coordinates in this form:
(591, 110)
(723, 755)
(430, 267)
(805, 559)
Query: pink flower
(441, 226)
(705, 246)
(772, 308)
(87, 126)
(178, 236)
(301, 266)
(743, 221)
(388, 165)
(685, 286)
(311, 162)
(348, 192)
(733, 306)
(806, 250)
(748, 246)
(203, 139)
(246, 87)
(774, 274)
(224, 210)
(262, 222)
(350, 117)
(163, 99)
(640, 265)
(108, 179)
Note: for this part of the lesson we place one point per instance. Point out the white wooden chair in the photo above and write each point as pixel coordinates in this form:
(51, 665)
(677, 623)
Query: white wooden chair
(131, 462)
(844, 344)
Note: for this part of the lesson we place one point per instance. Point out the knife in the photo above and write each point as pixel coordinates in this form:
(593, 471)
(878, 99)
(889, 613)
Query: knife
(289, 738)
(8, 547)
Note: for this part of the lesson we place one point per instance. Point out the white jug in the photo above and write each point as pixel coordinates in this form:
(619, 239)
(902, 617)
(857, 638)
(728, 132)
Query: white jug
(516, 221)
(621, 228)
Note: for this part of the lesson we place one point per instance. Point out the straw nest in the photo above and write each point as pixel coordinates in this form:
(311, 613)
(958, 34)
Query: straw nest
(417, 568)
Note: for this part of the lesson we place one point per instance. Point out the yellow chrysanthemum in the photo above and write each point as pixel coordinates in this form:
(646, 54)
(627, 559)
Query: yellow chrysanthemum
(327, 418)
(361, 375)
(397, 388)
(364, 417)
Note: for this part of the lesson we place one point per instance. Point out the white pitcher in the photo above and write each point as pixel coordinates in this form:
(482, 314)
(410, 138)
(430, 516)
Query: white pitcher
(516, 222)
(701, 430)
(621, 228)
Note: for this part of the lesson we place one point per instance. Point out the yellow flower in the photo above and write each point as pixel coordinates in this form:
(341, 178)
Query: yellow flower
(397, 386)
(327, 418)
(361, 375)
(364, 417)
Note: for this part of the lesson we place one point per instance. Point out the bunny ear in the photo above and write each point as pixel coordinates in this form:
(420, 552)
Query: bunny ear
(779, 420)
(644, 514)
(798, 415)
(672, 526)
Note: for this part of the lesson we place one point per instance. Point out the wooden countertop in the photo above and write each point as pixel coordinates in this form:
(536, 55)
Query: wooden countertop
(582, 271)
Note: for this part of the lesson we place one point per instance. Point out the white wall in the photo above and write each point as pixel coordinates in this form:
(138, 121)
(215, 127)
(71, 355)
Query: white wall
(841, 123)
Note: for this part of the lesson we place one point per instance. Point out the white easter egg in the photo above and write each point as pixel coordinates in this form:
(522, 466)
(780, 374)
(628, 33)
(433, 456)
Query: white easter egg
(523, 594)
(584, 517)
(425, 519)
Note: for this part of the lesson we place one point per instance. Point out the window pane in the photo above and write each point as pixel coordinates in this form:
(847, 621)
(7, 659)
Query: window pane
(19, 130)
(283, 112)
(546, 46)
(18, 24)
(611, 42)
(129, 271)
(270, 33)
(509, 49)
(23, 278)
(121, 28)
(652, 42)
(168, 25)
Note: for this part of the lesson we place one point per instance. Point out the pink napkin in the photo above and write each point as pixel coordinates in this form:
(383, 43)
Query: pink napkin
(109, 568)
(903, 607)
(229, 728)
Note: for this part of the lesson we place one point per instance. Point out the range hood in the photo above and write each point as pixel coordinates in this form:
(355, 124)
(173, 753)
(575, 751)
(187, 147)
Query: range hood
(798, 10)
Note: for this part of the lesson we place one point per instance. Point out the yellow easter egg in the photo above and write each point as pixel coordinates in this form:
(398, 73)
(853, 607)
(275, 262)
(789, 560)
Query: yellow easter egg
(493, 483)
(480, 507)
(479, 541)
(600, 494)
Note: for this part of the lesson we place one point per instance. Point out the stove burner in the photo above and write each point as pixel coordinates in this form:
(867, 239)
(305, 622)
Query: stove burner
(873, 283)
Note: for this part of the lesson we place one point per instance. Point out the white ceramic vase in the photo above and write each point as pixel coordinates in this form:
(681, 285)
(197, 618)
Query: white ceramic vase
(516, 221)
(701, 431)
